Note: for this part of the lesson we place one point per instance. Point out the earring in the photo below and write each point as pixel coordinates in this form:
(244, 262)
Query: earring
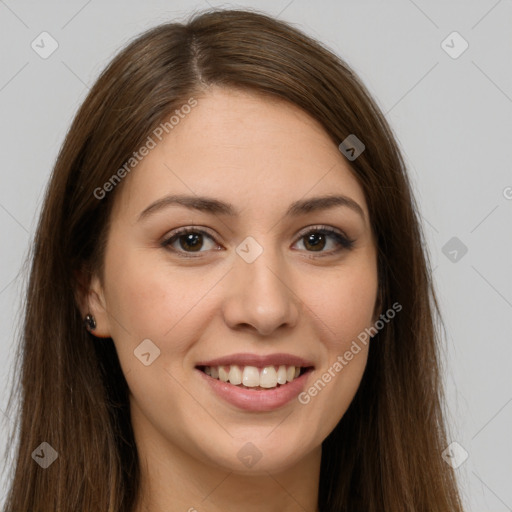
(89, 322)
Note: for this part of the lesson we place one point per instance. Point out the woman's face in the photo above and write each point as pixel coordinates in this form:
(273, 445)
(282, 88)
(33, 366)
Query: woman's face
(259, 275)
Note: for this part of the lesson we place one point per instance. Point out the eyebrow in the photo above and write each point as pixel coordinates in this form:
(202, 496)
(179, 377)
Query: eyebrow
(216, 207)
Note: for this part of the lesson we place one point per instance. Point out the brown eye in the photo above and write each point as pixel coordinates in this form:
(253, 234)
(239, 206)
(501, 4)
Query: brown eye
(191, 241)
(187, 240)
(315, 240)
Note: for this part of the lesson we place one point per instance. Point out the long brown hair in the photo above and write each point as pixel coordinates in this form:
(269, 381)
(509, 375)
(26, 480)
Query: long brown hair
(385, 453)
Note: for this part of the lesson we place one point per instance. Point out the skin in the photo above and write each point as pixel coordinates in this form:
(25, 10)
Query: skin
(260, 155)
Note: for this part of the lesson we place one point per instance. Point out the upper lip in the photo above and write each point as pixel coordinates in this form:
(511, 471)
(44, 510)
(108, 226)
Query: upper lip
(259, 361)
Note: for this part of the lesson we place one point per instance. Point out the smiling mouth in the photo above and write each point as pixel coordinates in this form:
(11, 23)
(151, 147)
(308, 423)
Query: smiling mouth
(252, 377)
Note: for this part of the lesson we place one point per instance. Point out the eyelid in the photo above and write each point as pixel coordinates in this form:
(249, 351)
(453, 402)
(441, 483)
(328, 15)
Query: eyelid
(343, 240)
(322, 227)
(166, 242)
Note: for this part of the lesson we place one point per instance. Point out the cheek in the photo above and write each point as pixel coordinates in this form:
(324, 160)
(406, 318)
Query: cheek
(347, 309)
(345, 303)
(152, 299)
(343, 311)
(149, 300)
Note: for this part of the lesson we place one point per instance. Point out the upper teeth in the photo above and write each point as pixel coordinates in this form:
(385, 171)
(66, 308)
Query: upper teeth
(251, 376)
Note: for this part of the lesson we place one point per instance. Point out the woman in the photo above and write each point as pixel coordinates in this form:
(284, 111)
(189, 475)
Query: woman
(230, 305)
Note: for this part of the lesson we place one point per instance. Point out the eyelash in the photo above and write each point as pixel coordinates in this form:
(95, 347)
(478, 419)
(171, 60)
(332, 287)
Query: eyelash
(344, 242)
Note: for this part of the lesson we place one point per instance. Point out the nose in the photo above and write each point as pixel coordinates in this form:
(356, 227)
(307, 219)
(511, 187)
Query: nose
(260, 295)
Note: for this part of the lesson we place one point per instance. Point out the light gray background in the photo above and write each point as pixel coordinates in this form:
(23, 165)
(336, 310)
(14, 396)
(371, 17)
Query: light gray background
(452, 117)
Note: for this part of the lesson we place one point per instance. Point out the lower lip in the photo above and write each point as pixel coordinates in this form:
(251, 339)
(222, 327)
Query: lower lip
(257, 400)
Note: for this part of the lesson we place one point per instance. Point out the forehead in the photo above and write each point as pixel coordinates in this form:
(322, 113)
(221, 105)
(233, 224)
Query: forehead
(252, 151)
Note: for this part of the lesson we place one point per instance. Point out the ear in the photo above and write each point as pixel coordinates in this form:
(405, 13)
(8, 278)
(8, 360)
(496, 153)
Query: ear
(90, 297)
